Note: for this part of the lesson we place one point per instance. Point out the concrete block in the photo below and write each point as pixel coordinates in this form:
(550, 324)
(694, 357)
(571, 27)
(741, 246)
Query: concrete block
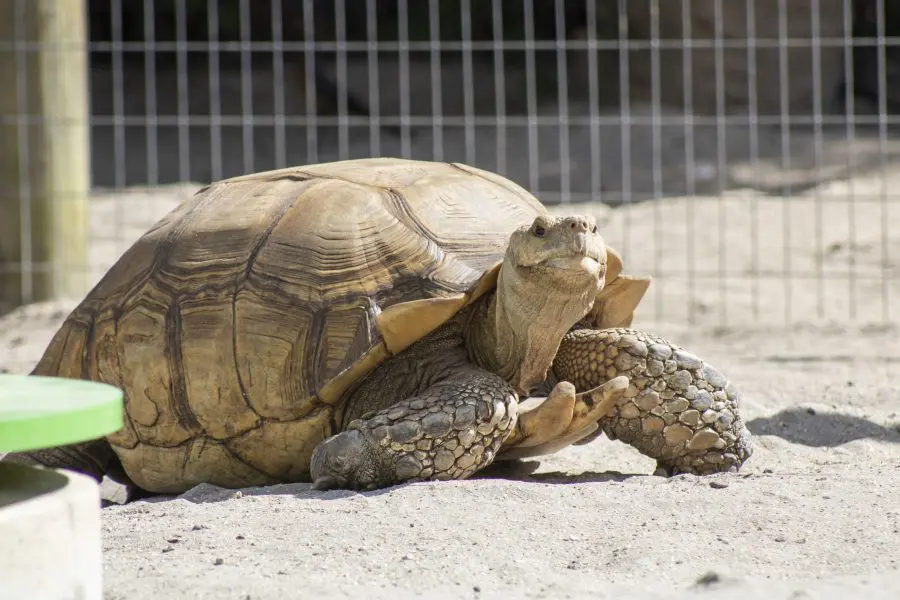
(49, 535)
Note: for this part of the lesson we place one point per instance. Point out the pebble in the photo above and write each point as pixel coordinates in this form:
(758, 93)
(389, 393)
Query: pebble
(219, 561)
(718, 485)
(709, 578)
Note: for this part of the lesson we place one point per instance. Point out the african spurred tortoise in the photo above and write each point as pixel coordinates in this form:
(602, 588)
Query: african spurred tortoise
(368, 322)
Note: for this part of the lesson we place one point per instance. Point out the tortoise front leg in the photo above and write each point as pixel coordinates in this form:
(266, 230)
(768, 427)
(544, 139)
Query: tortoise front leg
(450, 431)
(678, 409)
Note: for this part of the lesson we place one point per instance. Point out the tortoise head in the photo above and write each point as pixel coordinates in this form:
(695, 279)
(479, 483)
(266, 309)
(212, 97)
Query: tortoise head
(559, 251)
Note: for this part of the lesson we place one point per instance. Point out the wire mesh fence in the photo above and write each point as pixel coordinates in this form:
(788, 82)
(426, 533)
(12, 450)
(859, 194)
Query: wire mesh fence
(741, 152)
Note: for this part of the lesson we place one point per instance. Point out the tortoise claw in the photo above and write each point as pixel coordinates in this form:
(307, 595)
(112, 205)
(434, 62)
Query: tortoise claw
(326, 482)
(561, 419)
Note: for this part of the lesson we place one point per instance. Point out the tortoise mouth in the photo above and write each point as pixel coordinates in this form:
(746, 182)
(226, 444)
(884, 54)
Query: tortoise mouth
(586, 262)
(579, 263)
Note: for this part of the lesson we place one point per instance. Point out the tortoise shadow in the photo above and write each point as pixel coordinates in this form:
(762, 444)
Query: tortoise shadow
(524, 471)
(205, 493)
(812, 428)
(515, 470)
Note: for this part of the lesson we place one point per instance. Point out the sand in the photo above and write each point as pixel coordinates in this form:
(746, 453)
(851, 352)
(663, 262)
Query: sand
(813, 514)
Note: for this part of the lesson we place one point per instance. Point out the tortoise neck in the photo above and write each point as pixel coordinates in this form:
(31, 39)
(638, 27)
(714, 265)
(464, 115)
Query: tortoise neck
(516, 331)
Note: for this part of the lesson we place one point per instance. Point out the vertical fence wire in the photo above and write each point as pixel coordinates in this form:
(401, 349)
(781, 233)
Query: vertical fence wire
(437, 90)
(373, 81)
(882, 141)
(850, 133)
(690, 164)
(753, 139)
(500, 131)
(24, 199)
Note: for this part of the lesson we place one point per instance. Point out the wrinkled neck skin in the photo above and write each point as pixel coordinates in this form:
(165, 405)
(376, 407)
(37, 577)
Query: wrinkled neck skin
(515, 332)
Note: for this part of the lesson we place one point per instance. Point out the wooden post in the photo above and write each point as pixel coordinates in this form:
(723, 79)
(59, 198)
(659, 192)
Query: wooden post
(45, 159)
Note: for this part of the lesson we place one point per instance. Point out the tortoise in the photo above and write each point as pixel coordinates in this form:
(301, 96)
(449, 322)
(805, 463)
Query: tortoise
(368, 322)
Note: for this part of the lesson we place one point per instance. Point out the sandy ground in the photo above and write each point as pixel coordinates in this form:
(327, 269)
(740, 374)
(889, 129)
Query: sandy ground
(814, 513)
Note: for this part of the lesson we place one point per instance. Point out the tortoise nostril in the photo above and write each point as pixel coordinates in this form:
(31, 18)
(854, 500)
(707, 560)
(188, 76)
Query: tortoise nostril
(579, 225)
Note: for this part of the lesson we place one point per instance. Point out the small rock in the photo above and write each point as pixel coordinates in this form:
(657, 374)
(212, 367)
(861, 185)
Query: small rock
(779, 538)
(238, 537)
(718, 485)
(218, 562)
(173, 540)
(708, 578)
(476, 589)
(810, 411)
(168, 549)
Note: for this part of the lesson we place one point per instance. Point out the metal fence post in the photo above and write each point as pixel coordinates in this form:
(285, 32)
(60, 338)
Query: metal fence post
(44, 150)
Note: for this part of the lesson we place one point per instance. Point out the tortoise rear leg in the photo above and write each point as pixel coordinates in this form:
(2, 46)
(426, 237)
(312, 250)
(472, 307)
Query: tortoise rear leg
(94, 458)
(450, 431)
(678, 409)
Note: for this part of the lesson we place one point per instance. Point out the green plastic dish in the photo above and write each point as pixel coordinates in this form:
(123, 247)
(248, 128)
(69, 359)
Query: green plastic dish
(44, 412)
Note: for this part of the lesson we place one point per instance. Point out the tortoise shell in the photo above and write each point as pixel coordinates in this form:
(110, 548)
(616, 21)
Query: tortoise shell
(236, 324)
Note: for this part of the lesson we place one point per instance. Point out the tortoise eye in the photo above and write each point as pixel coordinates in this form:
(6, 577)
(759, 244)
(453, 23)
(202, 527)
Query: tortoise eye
(539, 231)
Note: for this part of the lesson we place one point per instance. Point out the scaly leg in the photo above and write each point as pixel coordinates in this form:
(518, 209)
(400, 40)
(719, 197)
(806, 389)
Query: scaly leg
(95, 458)
(678, 409)
(450, 431)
